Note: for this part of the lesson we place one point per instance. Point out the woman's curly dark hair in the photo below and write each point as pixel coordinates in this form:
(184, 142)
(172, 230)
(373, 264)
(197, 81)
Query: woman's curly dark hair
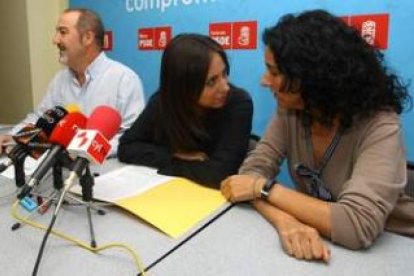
(338, 72)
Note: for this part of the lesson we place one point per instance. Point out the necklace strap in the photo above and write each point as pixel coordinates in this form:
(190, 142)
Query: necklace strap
(329, 151)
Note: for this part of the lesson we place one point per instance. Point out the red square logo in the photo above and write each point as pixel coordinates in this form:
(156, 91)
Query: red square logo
(108, 41)
(162, 35)
(244, 35)
(146, 39)
(221, 32)
(373, 28)
(98, 148)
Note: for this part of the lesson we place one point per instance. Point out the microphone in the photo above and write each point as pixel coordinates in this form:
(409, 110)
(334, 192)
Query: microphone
(92, 144)
(44, 126)
(60, 139)
(26, 131)
(34, 134)
(30, 134)
(33, 145)
(50, 118)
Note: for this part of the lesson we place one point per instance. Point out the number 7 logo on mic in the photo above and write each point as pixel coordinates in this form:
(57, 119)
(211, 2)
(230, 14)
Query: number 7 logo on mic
(90, 144)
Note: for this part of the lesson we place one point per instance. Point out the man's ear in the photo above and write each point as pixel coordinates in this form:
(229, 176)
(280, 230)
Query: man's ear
(88, 38)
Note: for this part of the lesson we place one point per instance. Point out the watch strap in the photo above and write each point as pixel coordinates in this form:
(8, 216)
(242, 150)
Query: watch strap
(264, 193)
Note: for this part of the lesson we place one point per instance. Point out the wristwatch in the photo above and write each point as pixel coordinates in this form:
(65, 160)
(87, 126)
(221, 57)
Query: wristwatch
(264, 193)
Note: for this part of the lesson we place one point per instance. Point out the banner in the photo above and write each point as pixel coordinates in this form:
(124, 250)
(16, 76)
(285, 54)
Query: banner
(138, 30)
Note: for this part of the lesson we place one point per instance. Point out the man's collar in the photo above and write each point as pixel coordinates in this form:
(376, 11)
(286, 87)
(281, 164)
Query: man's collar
(94, 68)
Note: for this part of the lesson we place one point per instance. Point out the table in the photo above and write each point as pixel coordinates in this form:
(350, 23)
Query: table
(19, 248)
(241, 242)
(232, 241)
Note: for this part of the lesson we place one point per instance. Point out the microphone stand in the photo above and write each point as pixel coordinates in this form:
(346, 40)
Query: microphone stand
(59, 194)
(57, 176)
(18, 159)
(62, 160)
(87, 181)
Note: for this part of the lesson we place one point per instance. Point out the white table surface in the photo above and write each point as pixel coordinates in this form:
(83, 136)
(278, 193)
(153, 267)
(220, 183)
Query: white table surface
(241, 242)
(19, 248)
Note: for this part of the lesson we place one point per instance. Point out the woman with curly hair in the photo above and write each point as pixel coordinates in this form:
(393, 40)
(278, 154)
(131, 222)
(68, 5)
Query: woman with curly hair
(197, 125)
(338, 126)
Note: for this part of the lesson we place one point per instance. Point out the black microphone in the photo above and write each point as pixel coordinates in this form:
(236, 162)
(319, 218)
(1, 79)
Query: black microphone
(25, 133)
(34, 134)
(60, 138)
(37, 145)
(47, 122)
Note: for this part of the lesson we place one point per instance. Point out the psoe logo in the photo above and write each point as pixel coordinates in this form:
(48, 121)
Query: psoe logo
(368, 30)
(372, 27)
(244, 35)
(155, 38)
(146, 39)
(162, 35)
(235, 35)
(221, 32)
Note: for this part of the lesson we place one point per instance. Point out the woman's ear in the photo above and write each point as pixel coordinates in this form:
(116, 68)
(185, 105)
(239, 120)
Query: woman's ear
(295, 85)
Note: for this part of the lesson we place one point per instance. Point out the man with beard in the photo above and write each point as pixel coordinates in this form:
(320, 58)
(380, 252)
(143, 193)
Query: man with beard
(90, 78)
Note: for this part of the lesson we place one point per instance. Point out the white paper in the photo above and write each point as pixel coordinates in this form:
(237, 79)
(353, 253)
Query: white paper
(125, 182)
(4, 127)
(30, 165)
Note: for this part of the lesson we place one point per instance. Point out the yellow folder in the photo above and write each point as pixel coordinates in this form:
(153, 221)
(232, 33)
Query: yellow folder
(174, 207)
(172, 204)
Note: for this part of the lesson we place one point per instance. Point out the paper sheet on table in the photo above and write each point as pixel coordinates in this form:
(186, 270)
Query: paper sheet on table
(172, 204)
(126, 181)
(30, 165)
(4, 127)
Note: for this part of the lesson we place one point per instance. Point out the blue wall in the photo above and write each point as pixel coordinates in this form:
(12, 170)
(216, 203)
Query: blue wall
(125, 17)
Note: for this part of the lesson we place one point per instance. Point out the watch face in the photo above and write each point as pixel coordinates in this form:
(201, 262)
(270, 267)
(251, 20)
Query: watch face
(264, 193)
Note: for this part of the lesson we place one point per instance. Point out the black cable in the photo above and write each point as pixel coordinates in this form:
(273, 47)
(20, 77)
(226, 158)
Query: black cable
(42, 246)
(58, 184)
(48, 231)
(188, 238)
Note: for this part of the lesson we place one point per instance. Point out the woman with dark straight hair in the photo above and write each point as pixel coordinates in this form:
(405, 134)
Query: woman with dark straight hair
(197, 125)
(339, 129)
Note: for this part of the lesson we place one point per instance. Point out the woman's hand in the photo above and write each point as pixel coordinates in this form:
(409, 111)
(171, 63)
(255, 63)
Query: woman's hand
(237, 188)
(301, 241)
(191, 156)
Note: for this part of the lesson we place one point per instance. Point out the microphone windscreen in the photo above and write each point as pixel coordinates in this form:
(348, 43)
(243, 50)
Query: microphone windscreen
(66, 128)
(50, 118)
(106, 120)
(72, 108)
(36, 136)
(26, 134)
